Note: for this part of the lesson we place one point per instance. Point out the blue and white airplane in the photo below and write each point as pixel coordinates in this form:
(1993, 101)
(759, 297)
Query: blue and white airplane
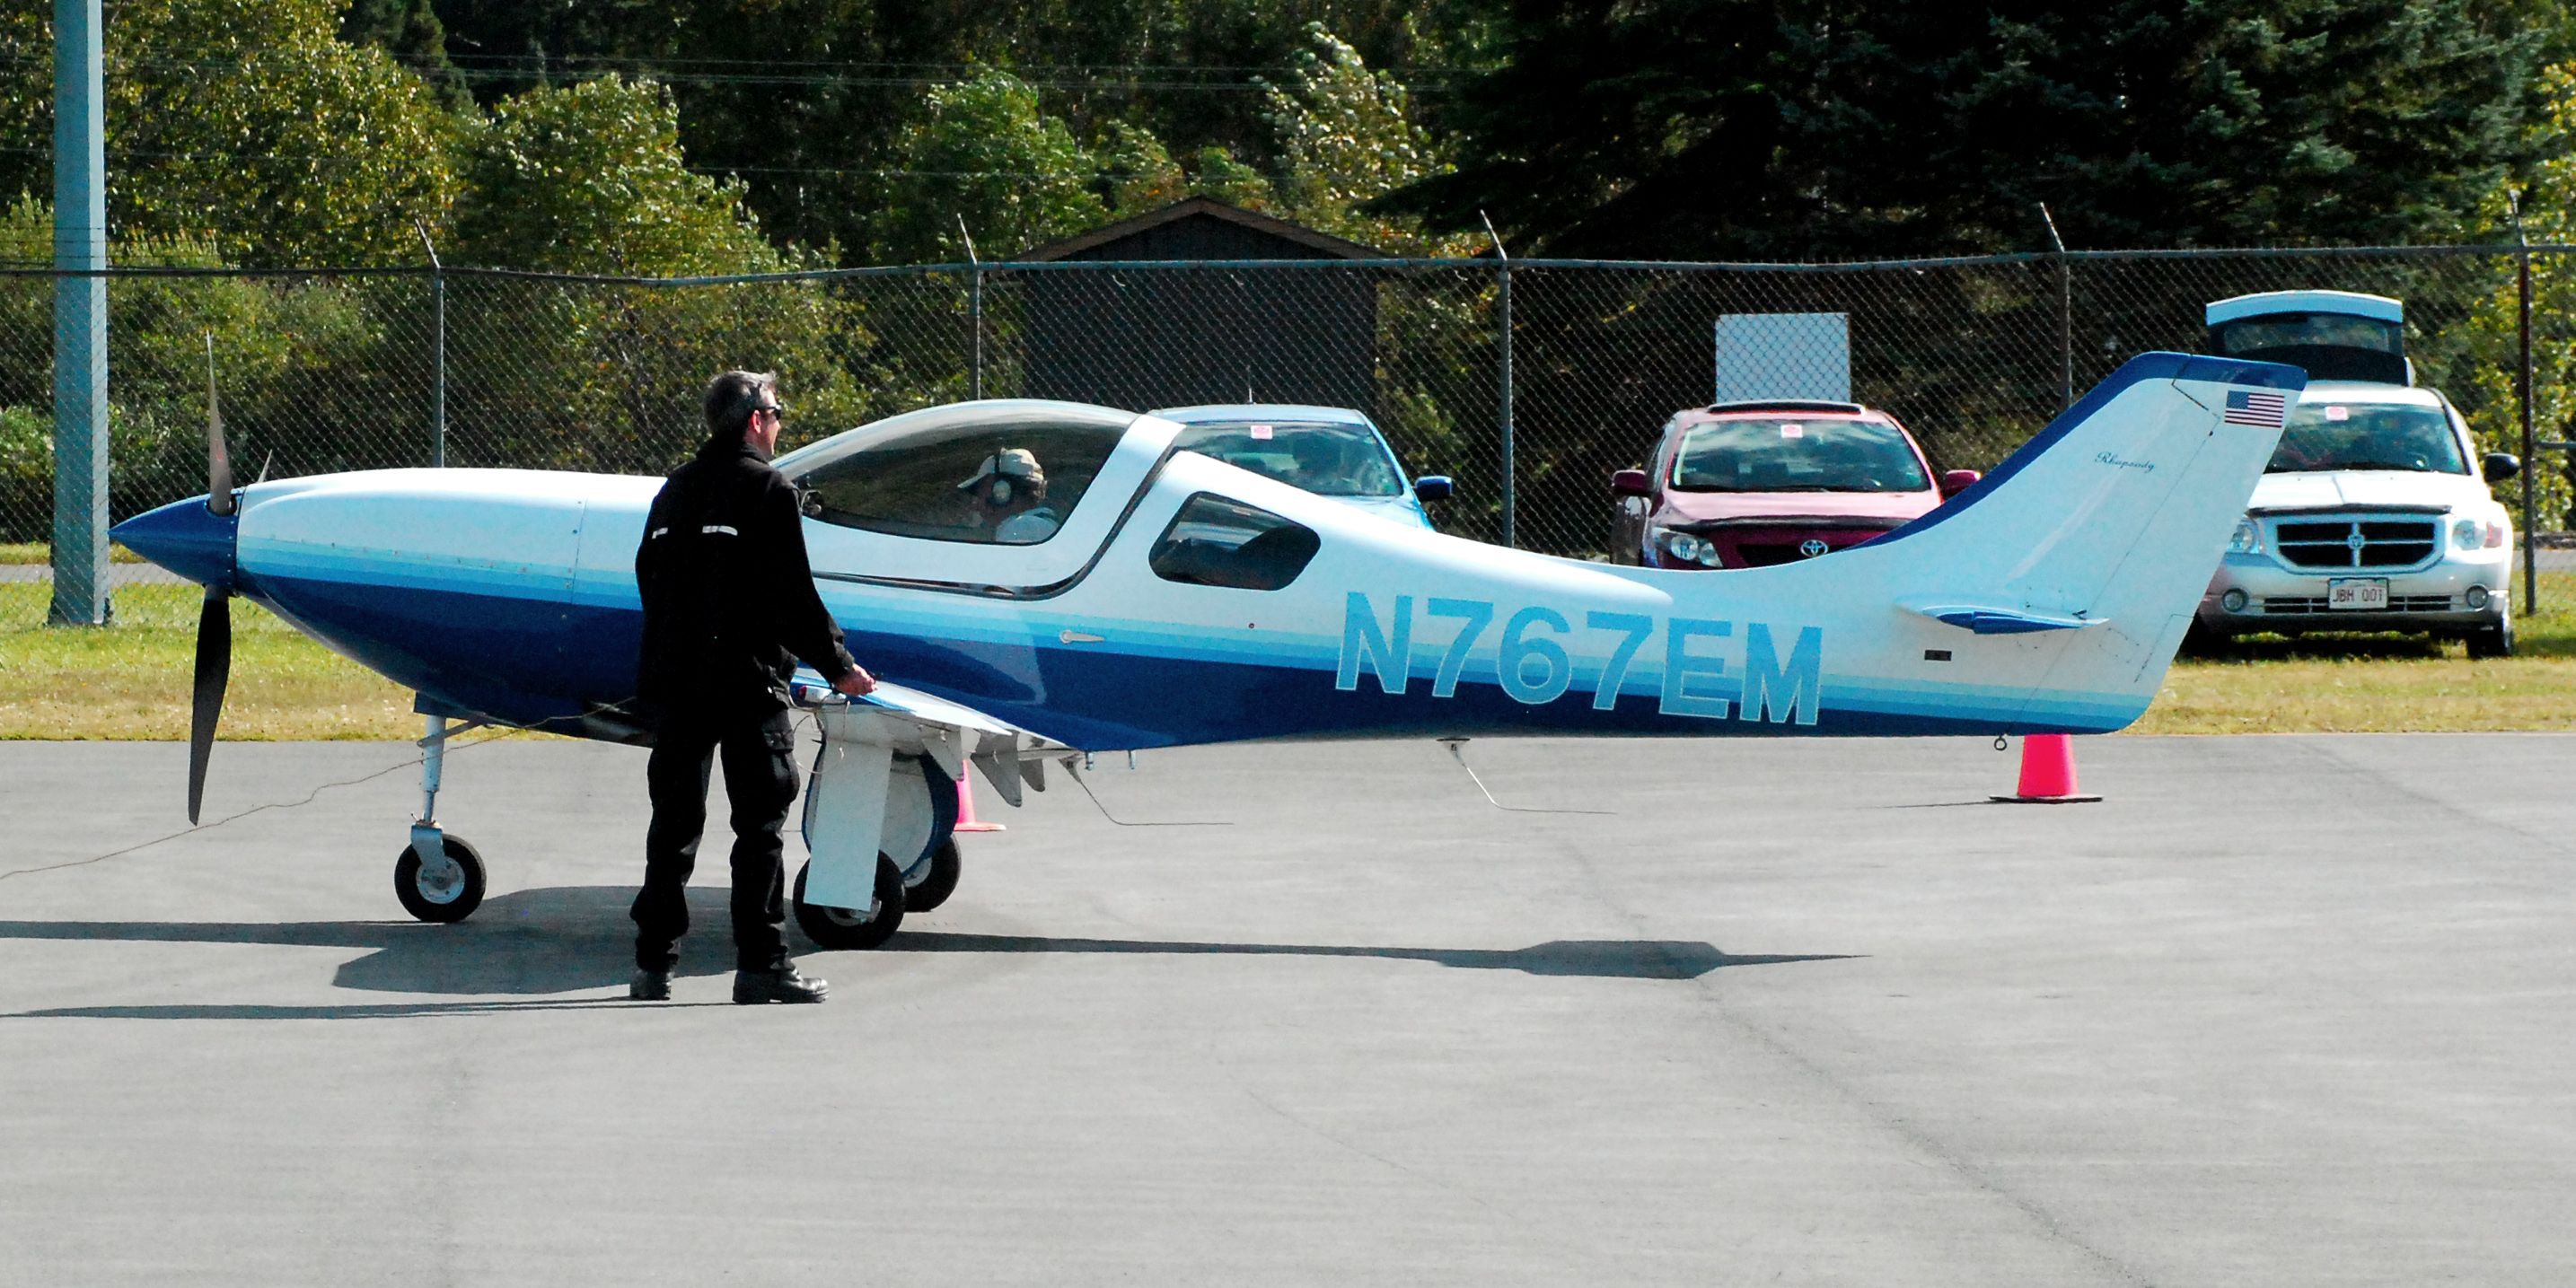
(1149, 596)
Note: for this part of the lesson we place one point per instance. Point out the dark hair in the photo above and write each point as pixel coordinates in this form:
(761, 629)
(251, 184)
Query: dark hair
(732, 396)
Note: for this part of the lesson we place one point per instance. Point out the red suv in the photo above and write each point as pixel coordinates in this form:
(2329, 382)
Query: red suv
(1750, 484)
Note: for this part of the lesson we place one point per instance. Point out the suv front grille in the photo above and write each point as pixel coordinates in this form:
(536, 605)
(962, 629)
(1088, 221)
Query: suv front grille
(2301, 606)
(2356, 543)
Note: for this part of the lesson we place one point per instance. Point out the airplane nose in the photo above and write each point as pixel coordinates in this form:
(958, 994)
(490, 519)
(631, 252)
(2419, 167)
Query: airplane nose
(186, 538)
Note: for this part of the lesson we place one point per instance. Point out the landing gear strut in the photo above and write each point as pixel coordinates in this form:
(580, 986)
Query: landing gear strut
(439, 878)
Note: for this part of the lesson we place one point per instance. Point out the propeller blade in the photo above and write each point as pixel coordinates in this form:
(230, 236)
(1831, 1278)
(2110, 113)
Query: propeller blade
(219, 463)
(214, 670)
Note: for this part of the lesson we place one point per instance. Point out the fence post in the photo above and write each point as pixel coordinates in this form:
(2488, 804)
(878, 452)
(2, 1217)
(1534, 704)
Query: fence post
(80, 321)
(974, 311)
(2523, 395)
(2065, 315)
(437, 350)
(1511, 535)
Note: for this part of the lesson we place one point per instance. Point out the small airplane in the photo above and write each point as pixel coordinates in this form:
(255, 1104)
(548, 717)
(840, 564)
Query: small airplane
(1041, 579)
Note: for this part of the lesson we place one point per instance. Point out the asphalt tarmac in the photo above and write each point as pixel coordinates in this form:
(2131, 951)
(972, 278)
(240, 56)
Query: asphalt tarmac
(2285, 1010)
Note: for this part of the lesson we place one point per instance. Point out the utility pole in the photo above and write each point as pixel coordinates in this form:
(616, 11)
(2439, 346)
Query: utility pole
(2522, 387)
(80, 320)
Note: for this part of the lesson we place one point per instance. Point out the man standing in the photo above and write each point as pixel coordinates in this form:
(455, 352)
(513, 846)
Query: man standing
(728, 597)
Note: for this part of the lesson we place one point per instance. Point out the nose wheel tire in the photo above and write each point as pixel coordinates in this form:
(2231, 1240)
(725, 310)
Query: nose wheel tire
(447, 893)
(840, 928)
(933, 879)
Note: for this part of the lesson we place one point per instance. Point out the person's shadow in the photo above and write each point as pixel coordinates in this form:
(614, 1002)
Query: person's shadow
(539, 945)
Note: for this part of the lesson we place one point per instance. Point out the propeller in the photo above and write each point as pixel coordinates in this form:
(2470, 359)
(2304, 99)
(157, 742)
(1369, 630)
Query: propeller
(214, 670)
(215, 618)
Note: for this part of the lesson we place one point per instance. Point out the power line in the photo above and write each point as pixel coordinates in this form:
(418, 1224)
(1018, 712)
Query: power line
(702, 169)
(1066, 77)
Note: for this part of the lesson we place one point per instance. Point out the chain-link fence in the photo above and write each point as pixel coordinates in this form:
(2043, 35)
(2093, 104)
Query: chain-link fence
(1528, 382)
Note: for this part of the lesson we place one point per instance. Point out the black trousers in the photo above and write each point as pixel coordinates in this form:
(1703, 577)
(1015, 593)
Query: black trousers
(760, 779)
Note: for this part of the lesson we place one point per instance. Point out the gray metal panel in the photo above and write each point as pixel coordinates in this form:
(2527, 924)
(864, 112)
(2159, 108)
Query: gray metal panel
(1783, 355)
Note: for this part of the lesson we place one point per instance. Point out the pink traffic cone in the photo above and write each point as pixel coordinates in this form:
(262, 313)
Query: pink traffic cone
(2047, 772)
(966, 820)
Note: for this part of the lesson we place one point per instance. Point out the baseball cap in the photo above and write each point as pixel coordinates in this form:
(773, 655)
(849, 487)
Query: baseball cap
(1009, 463)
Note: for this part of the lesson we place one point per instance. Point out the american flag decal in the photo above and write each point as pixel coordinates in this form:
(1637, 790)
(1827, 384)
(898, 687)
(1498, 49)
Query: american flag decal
(2259, 409)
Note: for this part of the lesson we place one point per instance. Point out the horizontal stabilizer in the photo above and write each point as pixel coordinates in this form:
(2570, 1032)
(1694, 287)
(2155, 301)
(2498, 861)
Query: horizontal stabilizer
(1987, 619)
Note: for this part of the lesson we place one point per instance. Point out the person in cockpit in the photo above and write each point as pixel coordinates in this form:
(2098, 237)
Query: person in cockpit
(1009, 492)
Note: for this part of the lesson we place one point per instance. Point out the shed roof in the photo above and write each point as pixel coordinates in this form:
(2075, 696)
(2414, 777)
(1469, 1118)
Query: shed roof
(1310, 243)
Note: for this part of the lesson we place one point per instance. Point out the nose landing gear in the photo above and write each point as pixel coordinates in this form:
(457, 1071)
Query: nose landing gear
(438, 878)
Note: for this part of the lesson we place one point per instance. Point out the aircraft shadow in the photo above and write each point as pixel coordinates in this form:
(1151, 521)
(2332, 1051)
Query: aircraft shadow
(540, 944)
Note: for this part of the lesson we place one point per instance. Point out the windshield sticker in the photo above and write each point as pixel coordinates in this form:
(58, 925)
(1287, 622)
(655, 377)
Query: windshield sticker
(1261, 431)
(2338, 413)
(1793, 431)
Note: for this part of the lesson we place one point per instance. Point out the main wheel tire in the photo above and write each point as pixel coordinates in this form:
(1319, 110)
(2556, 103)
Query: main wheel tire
(440, 903)
(943, 804)
(933, 879)
(2493, 641)
(840, 928)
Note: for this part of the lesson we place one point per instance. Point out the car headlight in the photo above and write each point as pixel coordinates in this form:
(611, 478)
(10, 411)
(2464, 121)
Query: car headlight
(2248, 539)
(1691, 548)
(2468, 534)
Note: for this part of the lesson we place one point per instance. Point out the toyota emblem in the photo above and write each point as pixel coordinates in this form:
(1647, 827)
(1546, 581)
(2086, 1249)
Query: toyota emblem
(1812, 547)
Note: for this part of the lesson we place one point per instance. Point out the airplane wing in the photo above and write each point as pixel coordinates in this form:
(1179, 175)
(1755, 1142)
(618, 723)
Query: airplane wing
(1009, 757)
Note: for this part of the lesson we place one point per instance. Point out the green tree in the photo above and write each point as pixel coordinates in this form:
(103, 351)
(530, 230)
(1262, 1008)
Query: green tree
(409, 31)
(1772, 129)
(589, 178)
(246, 123)
(1347, 138)
(809, 99)
(2548, 204)
(983, 152)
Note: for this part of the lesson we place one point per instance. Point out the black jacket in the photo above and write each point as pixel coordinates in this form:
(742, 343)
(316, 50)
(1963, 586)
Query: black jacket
(727, 593)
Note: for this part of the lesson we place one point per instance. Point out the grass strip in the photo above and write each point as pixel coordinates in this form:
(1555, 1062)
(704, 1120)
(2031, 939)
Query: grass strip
(130, 680)
(40, 552)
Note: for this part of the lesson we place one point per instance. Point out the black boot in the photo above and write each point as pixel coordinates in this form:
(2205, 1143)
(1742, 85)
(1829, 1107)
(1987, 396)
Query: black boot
(650, 985)
(751, 987)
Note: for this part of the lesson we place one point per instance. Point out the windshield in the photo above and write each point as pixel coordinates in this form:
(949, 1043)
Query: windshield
(1323, 457)
(1797, 456)
(2367, 436)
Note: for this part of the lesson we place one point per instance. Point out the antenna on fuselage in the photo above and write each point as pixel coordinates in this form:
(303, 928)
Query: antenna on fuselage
(1457, 753)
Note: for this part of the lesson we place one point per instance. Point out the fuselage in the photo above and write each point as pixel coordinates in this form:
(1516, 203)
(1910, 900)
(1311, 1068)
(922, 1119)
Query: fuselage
(510, 595)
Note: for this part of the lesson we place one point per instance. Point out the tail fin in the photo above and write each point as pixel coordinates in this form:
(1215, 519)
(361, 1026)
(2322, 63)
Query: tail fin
(2105, 527)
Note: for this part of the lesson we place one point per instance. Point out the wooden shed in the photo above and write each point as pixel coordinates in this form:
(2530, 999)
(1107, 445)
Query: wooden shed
(1141, 338)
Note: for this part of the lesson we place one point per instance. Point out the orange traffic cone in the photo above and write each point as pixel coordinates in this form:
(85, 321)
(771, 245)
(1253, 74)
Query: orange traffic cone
(966, 820)
(2047, 772)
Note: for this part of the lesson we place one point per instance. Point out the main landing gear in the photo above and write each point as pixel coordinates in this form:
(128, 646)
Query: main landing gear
(439, 877)
(919, 823)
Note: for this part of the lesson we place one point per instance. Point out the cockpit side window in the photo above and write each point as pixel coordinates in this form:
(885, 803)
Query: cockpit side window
(1217, 542)
(980, 479)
